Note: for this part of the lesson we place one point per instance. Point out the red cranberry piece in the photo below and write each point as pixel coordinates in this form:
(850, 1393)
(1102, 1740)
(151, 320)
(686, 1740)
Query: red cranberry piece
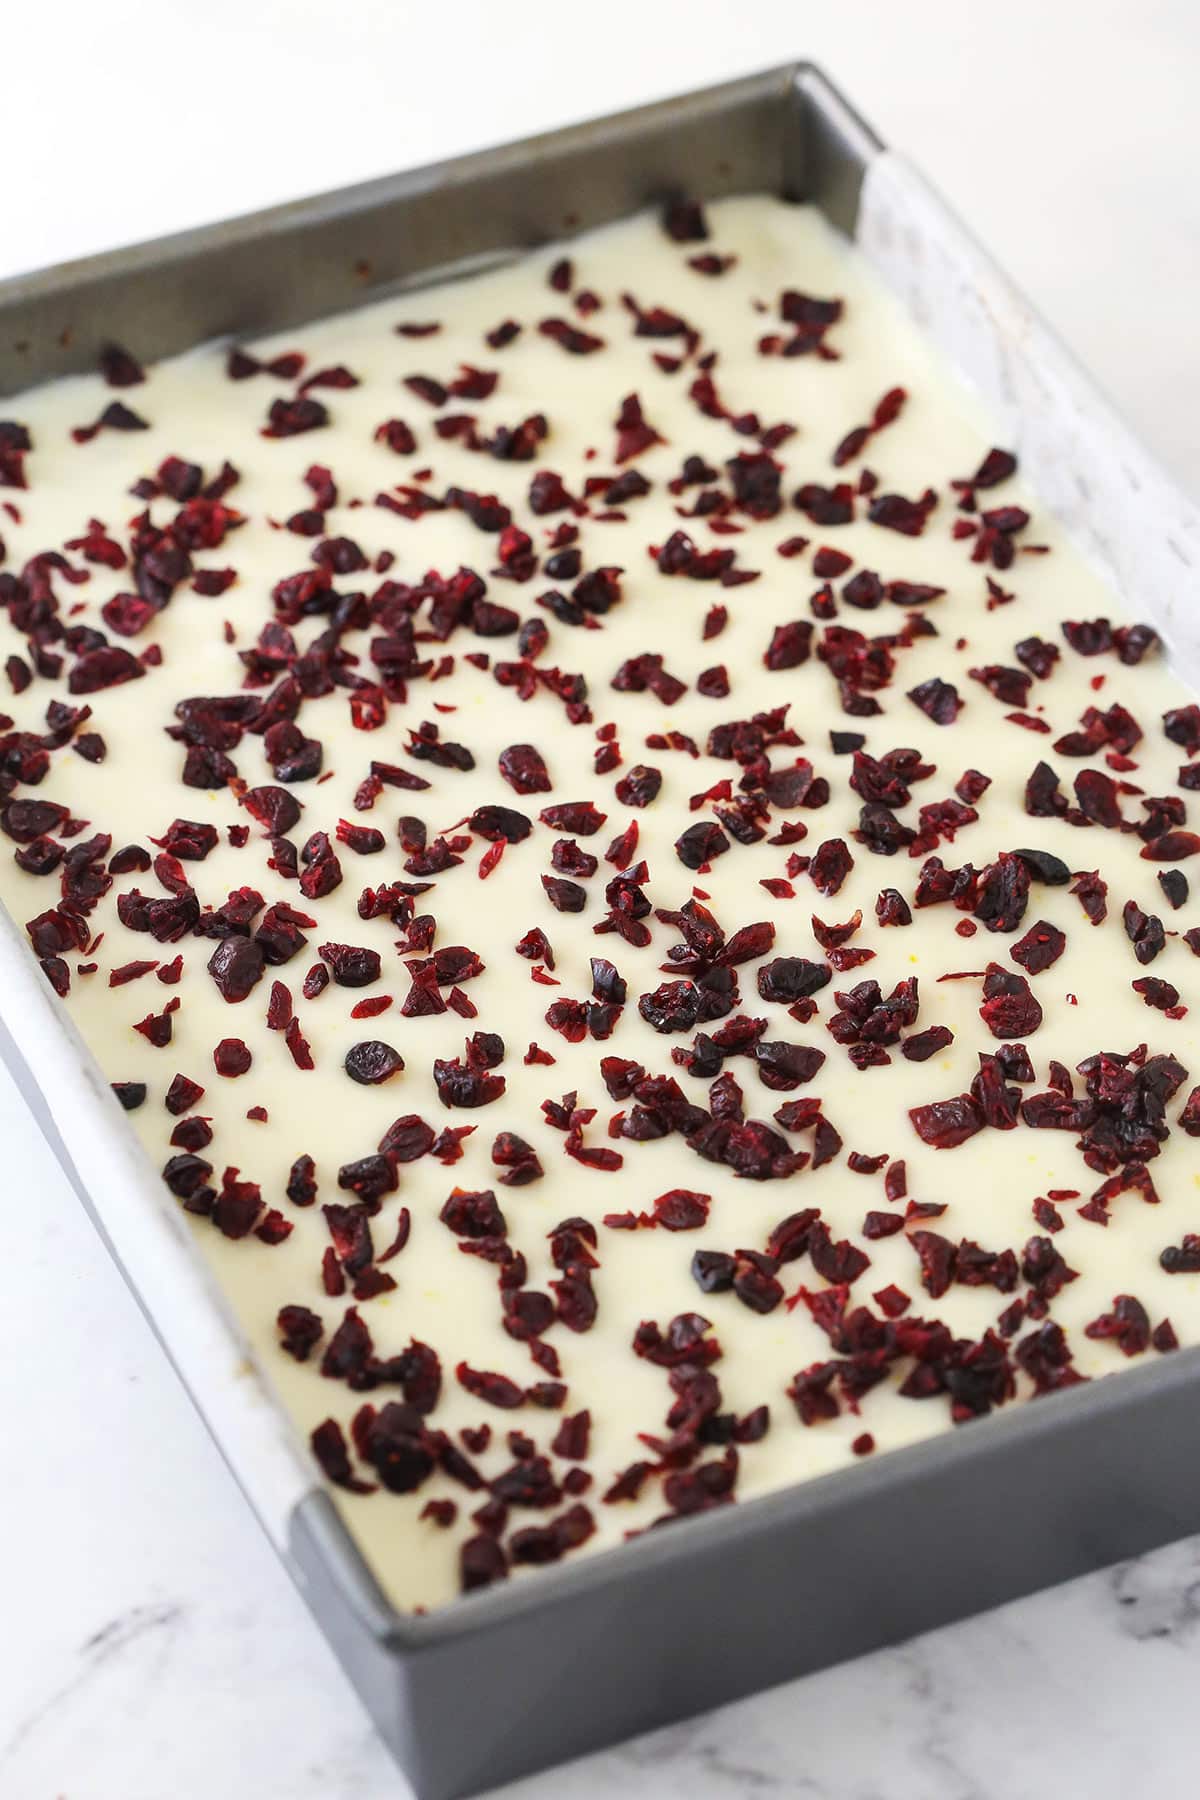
(395, 1443)
(577, 816)
(371, 1062)
(639, 786)
(1045, 867)
(1088, 637)
(1182, 726)
(186, 1175)
(1174, 884)
(496, 1390)
(1182, 1259)
(830, 866)
(946, 1123)
(407, 1138)
(1127, 1324)
(188, 839)
(351, 965)
(182, 1095)
(899, 514)
(1092, 893)
(891, 908)
(25, 820)
(500, 824)
(481, 1561)
(301, 1186)
(1144, 930)
(369, 1177)
(921, 1045)
(1043, 797)
(564, 896)
(316, 981)
(1162, 995)
(938, 700)
(288, 418)
(684, 221)
(1002, 892)
(1097, 797)
(300, 1331)
(790, 978)
(785, 1066)
(275, 809)
(569, 337)
(790, 646)
(236, 966)
(39, 857)
(524, 770)
(700, 844)
(518, 1158)
(1041, 946)
(1009, 1008)
(464, 1086)
(713, 1271)
(231, 1057)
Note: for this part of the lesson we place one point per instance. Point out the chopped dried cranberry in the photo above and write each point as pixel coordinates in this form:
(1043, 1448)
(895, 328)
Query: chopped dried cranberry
(371, 1062)
(350, 965)
(524, 770)
(790, 646)
(500, 823)
(1092, 893)
(1162, 995)
(231, 1057)
(236, 967)
(496, 1390)
(700, 844)
(570, 337)
(463, 1085)
(1009, 1008)
(830, 866)
(947, 1123)
(1041, 946)
(1144, 930)
(300, 1331)
(938, 700)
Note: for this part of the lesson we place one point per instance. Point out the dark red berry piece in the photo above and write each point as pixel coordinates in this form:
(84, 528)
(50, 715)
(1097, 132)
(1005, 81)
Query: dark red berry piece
(371, 1062)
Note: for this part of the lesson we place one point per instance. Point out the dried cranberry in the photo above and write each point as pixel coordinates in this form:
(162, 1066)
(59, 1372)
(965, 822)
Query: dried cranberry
(236, 966)
(700, 843)
(372, 1062)
(938, 700)
(830, 866)
(639, 785)
(524, 770)
(790, 646)
(946, 1123)
(790, 978)
(500, 823)
(1009, 1008)
(1144, 930)
(351, 965)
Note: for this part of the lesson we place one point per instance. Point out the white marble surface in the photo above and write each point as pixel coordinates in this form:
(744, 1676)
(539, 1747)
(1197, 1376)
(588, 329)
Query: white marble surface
(151, 1648)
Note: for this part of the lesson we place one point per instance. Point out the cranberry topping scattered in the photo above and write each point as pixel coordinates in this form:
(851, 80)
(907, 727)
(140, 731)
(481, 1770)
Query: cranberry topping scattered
(357, 634)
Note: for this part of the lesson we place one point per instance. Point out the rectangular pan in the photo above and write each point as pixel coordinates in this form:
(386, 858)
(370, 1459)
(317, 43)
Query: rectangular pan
(511, 1679)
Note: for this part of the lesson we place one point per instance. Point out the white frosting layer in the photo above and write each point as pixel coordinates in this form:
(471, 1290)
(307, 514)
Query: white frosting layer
(444, 1298)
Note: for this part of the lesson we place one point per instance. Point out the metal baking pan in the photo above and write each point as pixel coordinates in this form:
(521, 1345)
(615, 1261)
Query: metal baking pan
(510, 1679)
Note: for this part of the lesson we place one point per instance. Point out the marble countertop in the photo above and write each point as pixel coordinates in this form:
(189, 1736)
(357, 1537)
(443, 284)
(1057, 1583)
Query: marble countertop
(152, 1646)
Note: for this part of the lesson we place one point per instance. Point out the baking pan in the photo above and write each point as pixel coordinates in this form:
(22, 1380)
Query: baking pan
(510, 1679)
